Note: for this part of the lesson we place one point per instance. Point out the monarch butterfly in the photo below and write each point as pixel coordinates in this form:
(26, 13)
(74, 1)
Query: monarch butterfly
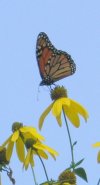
(53, 64)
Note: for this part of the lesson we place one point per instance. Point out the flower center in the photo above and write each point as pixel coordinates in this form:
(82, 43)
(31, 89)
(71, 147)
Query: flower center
(67, 176)
(58, 92)
(16, 126)
(29, 143)
(3, 160)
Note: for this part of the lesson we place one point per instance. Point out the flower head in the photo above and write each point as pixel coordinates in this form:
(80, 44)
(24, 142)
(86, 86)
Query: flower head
(61, 102)
(39, 149)
(67, 177)
(20, 133)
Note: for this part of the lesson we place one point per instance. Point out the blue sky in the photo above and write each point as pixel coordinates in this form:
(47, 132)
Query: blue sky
(72, 26)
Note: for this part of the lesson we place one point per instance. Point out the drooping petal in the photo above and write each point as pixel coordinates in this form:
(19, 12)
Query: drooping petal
(43, 147)
(79, 109)
(27, 159)
(39, 146)
(42, 154)
(97, 144)
(26, 136)
(72, 116)
(15, 136)
(20, 149)
(27, 129)
(53, 156)
(33, 132)
(57, 106)
(66, 101)
(37, 135)
(98, 157)
(31, 160)
(44, 114)
(58, 118)
(52, 152)
(9, 150)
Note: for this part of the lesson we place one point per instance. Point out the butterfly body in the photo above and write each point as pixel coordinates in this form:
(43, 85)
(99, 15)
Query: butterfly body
(53, 64)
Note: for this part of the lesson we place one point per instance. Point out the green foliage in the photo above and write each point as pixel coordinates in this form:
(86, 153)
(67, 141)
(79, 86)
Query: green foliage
(81, 173)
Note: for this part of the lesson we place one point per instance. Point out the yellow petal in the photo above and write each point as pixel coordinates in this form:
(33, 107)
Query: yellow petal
(66, 101)
(42, 154)
(44, 114)
(31, 160)
(27, 159)
(20, 149)
(43, 147)
(97, 144)
(52, 152)
(57, 106)
(38, 146)
(27, 135)
(72, 116)
(79, 109)
(98, 157)
(33, 132)
(9, 150)
(27, 129)
(15, 136)
(58, 118)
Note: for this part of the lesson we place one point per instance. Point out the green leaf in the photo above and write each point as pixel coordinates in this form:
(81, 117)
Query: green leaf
(79, 162)
(81, 173)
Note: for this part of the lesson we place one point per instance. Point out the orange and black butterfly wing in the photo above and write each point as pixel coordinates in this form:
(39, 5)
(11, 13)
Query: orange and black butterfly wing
(61, 66)
(53, 64)
(44, 53)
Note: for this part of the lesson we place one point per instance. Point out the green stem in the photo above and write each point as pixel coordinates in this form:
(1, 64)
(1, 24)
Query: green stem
(33, 175)
(70, 141)
(44, 168)
(98, 182)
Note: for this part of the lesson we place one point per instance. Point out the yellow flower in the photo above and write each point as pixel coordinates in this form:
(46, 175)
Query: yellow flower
(71, 108)
(20, 133)
(39, 149)
(97, 144)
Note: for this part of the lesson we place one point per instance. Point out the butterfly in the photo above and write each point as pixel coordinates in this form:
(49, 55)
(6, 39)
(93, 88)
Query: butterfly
(53, 64)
